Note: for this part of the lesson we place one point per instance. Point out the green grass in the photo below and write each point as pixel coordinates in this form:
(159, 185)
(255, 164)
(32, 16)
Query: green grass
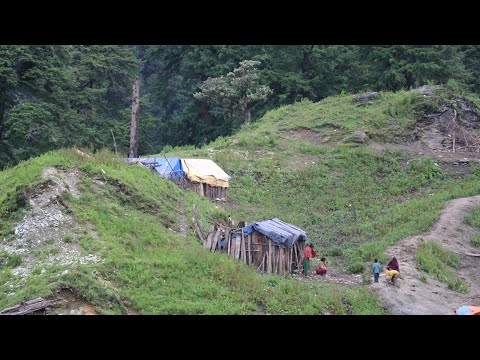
(295, 164)
(147, 265)
(435, 260)
(473, 219)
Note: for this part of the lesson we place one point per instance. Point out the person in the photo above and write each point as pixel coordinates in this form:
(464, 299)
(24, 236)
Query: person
(322, 267)
(393, 269)
(308, 253)
(376, 270)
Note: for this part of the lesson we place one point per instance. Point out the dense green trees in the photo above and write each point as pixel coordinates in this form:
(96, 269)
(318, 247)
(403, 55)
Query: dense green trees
(53, 96)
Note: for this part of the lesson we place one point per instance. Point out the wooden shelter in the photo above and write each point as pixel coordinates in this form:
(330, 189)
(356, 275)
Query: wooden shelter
(271, 246)
(206, 178)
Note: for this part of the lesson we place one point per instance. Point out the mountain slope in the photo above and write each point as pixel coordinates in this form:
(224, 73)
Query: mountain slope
(116, 235)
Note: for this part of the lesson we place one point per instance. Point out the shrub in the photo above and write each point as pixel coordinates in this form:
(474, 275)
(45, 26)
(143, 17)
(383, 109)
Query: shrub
(356, 268)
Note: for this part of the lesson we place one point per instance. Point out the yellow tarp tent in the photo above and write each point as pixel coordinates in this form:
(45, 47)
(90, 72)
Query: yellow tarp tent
(205, 171)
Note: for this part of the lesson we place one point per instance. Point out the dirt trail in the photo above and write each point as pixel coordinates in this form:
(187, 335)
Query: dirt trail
(414, 297)
(422, 150)
(333, 276)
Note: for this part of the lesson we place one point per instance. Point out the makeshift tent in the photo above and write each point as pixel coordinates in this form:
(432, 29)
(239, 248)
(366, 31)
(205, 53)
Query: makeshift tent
(170, 168)
(278, 231)
(205, 171)
(200, 175)
(272, 246)
(206, 178)
(468, 310)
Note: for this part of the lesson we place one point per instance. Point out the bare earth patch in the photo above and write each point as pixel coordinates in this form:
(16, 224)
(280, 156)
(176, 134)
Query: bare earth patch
(45, 235)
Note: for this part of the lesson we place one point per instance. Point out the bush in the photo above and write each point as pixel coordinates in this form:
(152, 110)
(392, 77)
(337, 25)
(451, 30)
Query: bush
(356, 268)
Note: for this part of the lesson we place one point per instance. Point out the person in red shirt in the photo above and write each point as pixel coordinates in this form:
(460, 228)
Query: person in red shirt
(309, 253)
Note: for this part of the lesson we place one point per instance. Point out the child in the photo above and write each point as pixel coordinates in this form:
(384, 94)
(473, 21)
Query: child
(376, 270)
(322, 267)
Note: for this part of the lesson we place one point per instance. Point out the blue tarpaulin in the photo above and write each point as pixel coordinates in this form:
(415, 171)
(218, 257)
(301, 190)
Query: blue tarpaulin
(170, 168)
(277, 230)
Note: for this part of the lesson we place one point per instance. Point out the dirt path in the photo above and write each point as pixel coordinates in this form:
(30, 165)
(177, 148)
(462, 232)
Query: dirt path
(422, 150)
(333, 276)
(414, 297)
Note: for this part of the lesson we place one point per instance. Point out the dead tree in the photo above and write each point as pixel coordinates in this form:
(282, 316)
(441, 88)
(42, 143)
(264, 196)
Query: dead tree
(133, 152)
(114, 142)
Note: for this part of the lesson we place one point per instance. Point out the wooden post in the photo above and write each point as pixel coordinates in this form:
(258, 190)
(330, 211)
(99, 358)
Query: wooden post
(133, 152)
(238, 244)
(243, 247)
(209, 237)
(282, 261)
(218, 235)
(249, 244)
(269, 257)
(208, 245)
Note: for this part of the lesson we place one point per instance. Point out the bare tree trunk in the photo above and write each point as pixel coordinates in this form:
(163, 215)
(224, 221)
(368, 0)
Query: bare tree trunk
(114, 142)
(247, 117)
(133, 152)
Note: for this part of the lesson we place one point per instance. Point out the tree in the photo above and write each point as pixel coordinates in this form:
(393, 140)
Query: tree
(238, 92)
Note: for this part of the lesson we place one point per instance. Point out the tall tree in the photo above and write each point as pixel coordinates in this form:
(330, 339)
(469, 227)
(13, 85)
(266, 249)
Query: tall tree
(238, 92)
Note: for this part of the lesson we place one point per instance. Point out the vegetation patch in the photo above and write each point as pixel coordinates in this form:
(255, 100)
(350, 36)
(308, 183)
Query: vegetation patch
(435, 260)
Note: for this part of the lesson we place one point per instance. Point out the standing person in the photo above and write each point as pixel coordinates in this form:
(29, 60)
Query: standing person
(230, 221)
(376, 270)
(308, 253)
(322, 267)
(393, 269)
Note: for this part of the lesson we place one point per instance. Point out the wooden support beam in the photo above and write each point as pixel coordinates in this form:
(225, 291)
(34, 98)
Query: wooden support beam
(269, 257)
(244, 255)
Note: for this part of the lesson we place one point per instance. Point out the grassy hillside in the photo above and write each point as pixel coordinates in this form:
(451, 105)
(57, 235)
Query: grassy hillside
(301, 164)
(149, 265)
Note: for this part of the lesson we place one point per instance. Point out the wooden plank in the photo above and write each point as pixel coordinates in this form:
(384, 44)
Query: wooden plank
(227, 243)
(273, 258)
(209, 237)
(249, 249)
(282, 261)
(244, 255)
(260, 247)
(289, 251)
(215, 240)
(28, 307)
(227, 235)
(269, 257)
(238, 244)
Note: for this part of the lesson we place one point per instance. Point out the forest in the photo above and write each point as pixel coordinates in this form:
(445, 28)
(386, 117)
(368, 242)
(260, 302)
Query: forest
(59, 96)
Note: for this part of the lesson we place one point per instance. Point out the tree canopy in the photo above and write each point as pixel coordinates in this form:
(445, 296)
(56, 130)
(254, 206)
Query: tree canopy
(55, 96)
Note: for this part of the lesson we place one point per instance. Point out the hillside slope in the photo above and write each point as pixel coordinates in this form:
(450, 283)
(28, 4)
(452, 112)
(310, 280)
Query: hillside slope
(100, 236)
(358, 173)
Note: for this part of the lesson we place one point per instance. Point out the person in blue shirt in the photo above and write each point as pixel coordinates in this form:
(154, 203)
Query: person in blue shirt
(376, 270)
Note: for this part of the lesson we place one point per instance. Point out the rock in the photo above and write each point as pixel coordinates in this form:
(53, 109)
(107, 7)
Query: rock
(358, 137)
(425, 90)
(366, 97)
(65, 272)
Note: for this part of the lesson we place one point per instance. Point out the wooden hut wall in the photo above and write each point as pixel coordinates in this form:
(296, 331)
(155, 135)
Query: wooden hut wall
(211, 192)
(257, 250)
